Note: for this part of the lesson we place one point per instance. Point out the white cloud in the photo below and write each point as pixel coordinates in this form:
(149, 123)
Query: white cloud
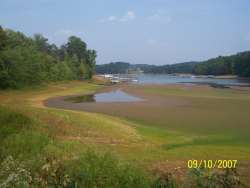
(63, 32)
(151, 41)
(154, 17)
(60, 36)
(112, 18)
(67, 33)
(160, 17)
(129, 16)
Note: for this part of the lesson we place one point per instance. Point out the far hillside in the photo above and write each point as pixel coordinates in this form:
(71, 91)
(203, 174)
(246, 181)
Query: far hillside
(113, 68)
(238, 64)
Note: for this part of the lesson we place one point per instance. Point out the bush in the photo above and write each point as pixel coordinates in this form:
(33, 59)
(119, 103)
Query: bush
(165, 181)
(207, 178)
(13, 174)
(52, 174)
(96, 170)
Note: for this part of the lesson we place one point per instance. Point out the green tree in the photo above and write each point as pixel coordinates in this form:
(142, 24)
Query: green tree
(17, 39)
(65, 72)
(91, 59)
(4, 75)
(76, 46)
(24, 66)
(41, 43)
(83, 71)
(32, 61)
(3, 39)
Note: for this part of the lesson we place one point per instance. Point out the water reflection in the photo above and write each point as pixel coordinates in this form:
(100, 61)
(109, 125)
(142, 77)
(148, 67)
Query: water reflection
(80, 99)
(112, 96)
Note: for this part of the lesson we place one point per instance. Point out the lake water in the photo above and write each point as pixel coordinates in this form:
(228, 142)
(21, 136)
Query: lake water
(170, 79)
(112, 96)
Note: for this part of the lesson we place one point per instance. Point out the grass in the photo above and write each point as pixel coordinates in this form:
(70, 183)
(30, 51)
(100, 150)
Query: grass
(198, 92)
(213, 126)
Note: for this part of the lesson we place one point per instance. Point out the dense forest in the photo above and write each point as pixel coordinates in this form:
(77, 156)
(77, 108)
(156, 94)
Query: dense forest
(26, 61)
(123, 67)
(186, 67)
(114, 68)
(238, 64)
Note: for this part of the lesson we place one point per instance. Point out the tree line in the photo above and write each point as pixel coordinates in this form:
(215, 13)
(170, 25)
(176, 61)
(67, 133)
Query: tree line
(123, 68)
(26, 61)
(238, 64)
(113, 68)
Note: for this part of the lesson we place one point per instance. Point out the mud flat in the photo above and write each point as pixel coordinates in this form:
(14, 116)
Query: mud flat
(173, 106)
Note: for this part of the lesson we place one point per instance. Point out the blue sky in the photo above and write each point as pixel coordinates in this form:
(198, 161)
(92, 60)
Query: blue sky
(137, 31)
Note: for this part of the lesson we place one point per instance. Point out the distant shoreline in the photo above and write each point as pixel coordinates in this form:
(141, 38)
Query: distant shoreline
(229, 76)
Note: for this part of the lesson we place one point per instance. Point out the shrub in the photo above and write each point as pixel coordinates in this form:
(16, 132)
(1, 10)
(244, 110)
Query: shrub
(13, 174)
(165, 181)
(96, 170)
(207, 178)
(52, 174)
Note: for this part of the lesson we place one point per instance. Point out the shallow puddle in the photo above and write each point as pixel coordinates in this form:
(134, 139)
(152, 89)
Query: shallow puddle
(112, 96)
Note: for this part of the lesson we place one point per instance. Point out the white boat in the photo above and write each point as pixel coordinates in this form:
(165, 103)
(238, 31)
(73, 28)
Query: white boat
(108, 76)
(115, 81)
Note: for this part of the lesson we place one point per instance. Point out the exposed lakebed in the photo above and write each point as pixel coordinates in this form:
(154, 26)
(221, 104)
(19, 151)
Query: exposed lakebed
(171, 106)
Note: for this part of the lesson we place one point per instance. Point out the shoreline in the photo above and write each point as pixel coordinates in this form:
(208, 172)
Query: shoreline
(134, 90)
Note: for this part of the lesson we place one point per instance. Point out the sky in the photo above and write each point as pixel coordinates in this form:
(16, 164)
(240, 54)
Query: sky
(137, 31)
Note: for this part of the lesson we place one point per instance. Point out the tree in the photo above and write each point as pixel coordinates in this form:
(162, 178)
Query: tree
(4, 75)
(3, 39)
(26, 61)
(41, 43)
(25, 66)
(17, 39)
(65, 72)
(76, 46)
(82, 71)
(54, 51)
(241, 65)
(91, 59)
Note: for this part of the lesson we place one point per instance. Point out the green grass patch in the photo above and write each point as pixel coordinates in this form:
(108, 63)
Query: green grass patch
(198, 92)
(203, 141)
(12, 122)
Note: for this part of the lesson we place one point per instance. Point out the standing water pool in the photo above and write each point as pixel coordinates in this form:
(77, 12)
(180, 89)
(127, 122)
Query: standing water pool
(111, 96)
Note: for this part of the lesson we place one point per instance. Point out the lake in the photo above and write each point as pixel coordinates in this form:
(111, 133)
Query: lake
(171, 79)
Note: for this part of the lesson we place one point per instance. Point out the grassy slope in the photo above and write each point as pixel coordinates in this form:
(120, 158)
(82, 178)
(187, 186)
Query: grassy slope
(72, 132)
(68, 133)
